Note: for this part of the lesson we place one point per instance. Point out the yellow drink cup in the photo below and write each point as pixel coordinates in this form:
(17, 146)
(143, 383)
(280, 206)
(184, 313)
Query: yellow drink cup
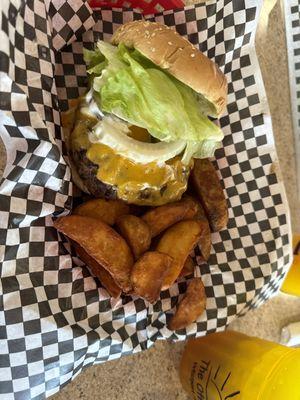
(291, 284)
(233, 366)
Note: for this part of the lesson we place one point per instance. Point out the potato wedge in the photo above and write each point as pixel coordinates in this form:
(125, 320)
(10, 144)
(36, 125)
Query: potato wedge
(136, 233)
(136, 210)
(190, 307)
(178, 241)
(162, 217)
(102, 243)
(148, 274)
(206, 184)
(106, 210)
(101, 273)
(188, 268)
(200, 212)
(205, 239)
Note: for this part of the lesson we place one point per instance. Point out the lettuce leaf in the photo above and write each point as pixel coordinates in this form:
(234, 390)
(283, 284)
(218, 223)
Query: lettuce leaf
(131, 87)
(93, 58)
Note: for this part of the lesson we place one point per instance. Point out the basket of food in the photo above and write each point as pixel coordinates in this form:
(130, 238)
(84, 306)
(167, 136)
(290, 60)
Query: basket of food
(142, 197)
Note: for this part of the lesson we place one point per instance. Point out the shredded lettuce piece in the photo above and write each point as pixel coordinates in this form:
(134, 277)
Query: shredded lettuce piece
(93, 58)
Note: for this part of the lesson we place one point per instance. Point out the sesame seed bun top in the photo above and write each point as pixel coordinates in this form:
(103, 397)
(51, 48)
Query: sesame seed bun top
(176, 55)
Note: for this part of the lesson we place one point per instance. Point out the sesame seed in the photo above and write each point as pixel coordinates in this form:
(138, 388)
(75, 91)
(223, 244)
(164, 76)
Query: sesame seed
(170, 43)
(152, 34)
(147, 33)
(193, 55)
(153, 49)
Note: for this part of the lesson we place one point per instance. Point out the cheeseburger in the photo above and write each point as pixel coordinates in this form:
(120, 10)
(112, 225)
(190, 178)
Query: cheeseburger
(147, 114)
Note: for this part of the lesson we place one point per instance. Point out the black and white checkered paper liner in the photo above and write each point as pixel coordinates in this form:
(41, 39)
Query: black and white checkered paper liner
(55, 319)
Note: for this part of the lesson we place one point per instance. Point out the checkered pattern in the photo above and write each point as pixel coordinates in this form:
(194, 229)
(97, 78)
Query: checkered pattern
(292, 24)
(55, 318)
(68, 20)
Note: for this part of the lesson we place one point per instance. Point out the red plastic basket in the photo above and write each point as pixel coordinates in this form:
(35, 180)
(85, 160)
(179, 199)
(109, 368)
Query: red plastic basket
(146, 6)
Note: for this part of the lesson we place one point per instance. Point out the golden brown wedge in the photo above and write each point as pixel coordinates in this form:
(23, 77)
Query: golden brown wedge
(178, 241)
(188, 268)
(102, 243)
(136, 233)
(162, 217)
(106, 210)
(101, 273)
(148, 274)
(205, 240)
(206, 184)
(190, 307)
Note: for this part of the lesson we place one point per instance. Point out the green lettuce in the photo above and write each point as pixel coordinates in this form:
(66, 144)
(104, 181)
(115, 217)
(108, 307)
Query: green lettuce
(93, 58)
(131, 87)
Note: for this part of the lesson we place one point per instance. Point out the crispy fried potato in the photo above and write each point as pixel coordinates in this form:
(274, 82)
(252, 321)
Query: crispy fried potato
(188, 268)
(162, 217)
(106, 210)
(200, 212)
(178, 241)
(136, 210)
(136, 233)
(205, 239)
(104, 277)
(102, 243)
(190, 307)
(207, 185)
(148, 274)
